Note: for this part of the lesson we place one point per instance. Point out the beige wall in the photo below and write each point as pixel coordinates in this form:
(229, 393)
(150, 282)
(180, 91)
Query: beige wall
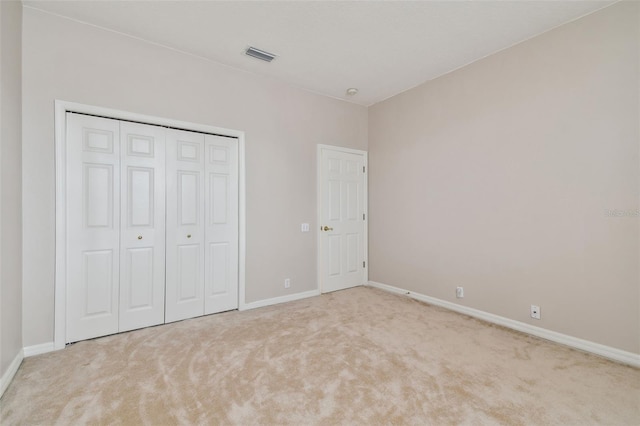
(70, 61)
(496, 177)
(10, 183)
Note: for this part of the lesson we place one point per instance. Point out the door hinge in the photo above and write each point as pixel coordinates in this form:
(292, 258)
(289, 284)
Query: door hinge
(363, 169)
(363, 216)
(364, 264)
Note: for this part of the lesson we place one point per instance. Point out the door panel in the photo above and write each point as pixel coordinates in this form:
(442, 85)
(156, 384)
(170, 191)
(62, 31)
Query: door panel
(219, 281)
(335, 255)
(98, 195)
(219, 193)
(140, 209)
(188, 264)
(334, 199)
(353, 252)
(342, 189)
(353, 201)
(189, 207)
(142, 243)
(141, 273)
(93, 226)
(185, 225)
(221, 233)
(98, 283)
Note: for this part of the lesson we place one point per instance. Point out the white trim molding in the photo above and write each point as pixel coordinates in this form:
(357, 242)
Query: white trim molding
(8, 375)
(61, 109)
(609, 352)
(42, 348)
(280, 299)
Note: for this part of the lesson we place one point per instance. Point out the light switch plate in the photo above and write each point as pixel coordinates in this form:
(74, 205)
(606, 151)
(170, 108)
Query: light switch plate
(304, 227)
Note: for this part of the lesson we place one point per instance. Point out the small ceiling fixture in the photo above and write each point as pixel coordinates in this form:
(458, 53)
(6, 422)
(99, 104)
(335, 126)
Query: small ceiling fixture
(352, 91)
(260, 54)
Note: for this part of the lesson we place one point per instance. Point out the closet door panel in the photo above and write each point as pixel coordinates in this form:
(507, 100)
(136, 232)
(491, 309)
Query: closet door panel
(188, 272)
(142, 278)
(185, 225)
(93, 226)
(221, 233)
(141, 291)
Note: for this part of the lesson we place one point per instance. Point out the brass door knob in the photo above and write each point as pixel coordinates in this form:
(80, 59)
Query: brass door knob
(326, 228)
(139, 237)
(188, 235)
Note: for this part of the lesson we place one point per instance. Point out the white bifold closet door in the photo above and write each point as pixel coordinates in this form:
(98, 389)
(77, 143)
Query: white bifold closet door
(142, 225)
(221, 224)
(185, 227)
(152, 225)
(93, 226)
(115, 226)
(202, 224)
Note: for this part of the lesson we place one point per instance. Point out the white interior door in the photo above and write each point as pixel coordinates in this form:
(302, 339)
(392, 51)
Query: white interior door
(93, 226)
(142, 237)
(185, 225)
(342, 207)
(221, 232)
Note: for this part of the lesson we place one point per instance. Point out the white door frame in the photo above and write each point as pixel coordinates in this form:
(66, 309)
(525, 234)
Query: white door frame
(320, 260)
(60, 281)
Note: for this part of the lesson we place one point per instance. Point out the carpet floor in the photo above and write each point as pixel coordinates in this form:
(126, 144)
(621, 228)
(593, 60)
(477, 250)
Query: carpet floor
(359, 356)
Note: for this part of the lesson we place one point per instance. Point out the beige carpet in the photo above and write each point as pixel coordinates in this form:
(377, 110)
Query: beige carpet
(360, 356)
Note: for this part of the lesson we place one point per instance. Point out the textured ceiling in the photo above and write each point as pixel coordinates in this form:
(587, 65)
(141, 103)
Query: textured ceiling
(382, 48)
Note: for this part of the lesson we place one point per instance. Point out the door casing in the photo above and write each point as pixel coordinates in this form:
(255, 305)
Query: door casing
(60, 279)
(320, 258)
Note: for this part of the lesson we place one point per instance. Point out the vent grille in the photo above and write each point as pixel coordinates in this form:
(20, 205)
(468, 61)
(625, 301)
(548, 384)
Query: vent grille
(260, 54)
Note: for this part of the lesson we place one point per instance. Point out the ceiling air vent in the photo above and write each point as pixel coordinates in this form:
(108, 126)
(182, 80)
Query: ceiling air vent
(260, 54)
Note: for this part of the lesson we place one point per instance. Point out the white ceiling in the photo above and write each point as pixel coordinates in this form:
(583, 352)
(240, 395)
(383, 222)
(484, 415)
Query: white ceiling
(382, 48)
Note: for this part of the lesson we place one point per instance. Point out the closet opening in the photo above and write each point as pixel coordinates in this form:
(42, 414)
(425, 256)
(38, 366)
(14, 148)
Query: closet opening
(149, 221)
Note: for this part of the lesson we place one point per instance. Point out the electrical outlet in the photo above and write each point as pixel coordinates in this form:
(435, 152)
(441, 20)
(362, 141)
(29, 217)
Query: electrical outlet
(459, 292)
(535, 312)
(287, 283)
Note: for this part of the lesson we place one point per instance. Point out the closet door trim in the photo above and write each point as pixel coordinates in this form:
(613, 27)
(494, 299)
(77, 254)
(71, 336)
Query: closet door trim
(60, 279)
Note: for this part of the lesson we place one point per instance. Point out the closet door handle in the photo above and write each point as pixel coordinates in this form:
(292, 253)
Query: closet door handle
(188, 235)
(139, 237)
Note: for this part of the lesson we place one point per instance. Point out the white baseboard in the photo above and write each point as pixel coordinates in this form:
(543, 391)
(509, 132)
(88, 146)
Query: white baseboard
(609, 352)
(7, 377)
(42, 348)
(281, 299)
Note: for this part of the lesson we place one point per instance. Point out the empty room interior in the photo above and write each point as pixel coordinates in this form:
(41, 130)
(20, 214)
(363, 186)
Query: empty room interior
(323, 212)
